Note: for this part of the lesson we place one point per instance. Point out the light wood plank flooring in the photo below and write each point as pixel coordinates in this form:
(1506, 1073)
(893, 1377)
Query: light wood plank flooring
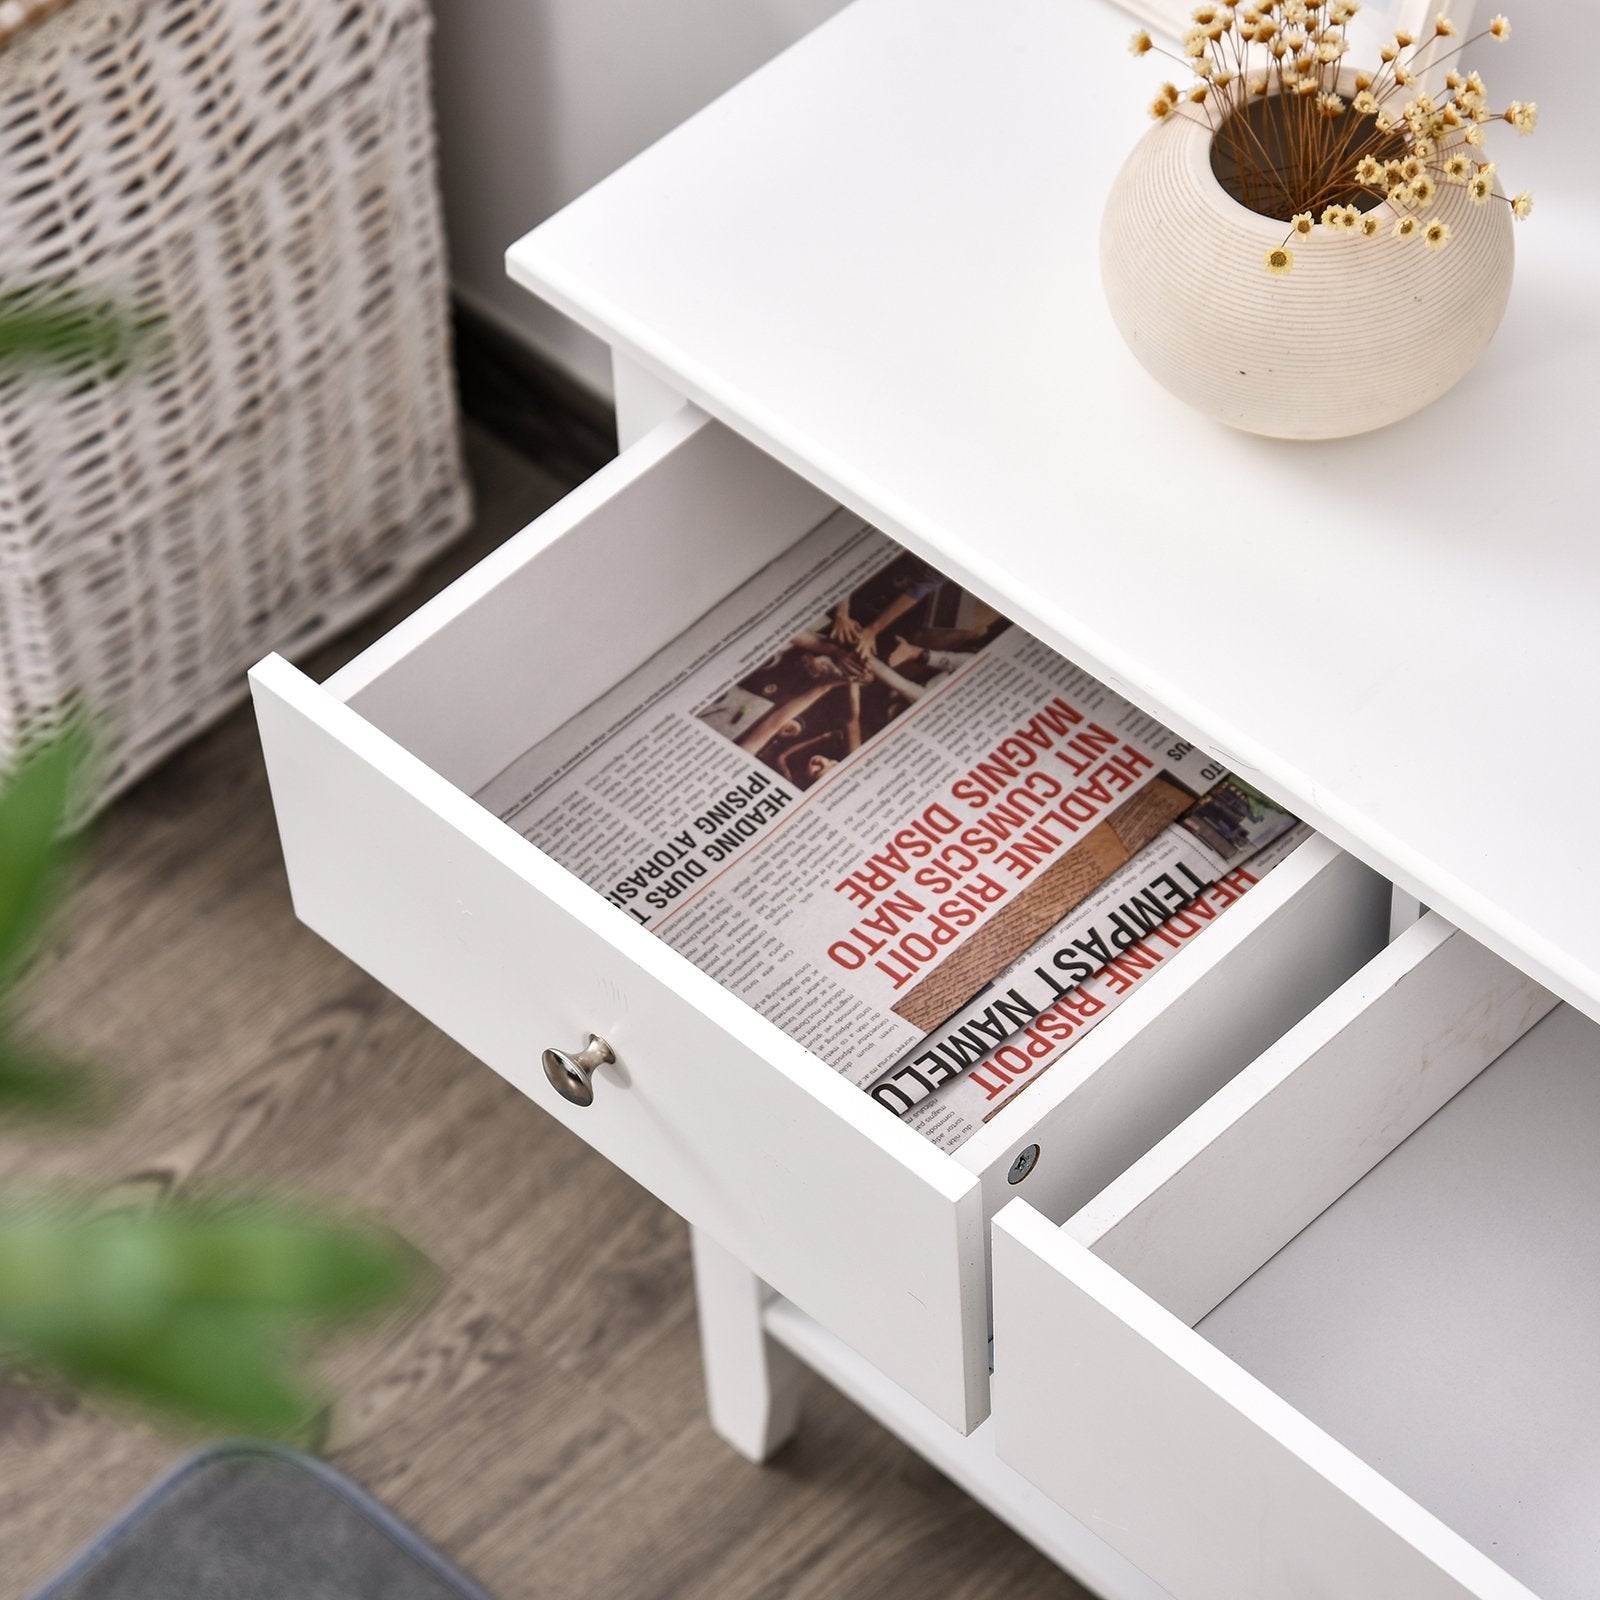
(540, 1420)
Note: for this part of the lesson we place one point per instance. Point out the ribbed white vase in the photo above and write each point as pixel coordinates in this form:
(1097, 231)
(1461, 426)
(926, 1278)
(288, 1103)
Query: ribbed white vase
(1361, 333)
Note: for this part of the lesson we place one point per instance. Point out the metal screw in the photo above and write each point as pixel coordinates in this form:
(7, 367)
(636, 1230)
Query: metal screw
(1024, 1164)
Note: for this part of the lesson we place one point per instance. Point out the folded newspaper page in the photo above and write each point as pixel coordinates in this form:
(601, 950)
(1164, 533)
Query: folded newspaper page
(958, 1108)
(853, 793)
(1221, 831)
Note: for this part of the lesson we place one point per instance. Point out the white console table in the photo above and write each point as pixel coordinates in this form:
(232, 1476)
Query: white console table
(871, 273)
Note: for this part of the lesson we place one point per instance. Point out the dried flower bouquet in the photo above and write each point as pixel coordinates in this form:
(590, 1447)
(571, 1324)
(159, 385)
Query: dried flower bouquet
(1298, 136)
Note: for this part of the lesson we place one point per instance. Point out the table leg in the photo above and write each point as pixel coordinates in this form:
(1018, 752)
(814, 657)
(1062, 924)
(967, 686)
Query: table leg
(752, 1383)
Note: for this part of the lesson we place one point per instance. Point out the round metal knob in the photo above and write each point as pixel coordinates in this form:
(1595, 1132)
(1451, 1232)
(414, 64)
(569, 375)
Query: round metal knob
(572, 1077)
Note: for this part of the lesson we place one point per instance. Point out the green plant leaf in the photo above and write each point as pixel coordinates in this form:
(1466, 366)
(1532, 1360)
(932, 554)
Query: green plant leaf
(216, 1368)
(35, 801)
(35, 1082)
(48, 326)
(195, 1308)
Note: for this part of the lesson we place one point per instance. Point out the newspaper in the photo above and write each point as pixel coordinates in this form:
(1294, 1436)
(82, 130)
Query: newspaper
(953, 1112)
(853, 793)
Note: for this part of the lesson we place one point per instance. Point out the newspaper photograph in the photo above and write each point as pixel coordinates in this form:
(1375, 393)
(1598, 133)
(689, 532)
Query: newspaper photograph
(857, 796)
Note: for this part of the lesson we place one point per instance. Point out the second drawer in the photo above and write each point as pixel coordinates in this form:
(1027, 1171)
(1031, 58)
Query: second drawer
(1335, 1336)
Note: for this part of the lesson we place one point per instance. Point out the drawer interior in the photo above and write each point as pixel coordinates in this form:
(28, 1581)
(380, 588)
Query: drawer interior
(582, 598)
(586, 595)
(1442, 1317)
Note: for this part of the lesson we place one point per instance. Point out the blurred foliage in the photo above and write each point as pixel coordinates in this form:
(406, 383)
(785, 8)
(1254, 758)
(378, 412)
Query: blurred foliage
(62, 329)
(199, 1308)
(34, 802)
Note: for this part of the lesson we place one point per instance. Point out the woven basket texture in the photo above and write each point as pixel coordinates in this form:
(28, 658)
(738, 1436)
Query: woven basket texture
(258, 175)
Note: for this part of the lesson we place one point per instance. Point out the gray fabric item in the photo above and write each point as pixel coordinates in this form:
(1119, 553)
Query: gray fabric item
(244, 1522)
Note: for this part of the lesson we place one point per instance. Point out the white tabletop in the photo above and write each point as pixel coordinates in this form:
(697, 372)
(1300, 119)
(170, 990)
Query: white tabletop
(877, 259)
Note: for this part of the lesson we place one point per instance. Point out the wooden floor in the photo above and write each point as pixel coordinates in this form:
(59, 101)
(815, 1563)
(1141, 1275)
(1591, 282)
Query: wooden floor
(541, 1420)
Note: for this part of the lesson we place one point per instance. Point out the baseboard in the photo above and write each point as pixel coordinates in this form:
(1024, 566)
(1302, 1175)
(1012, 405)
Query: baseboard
(528, 401)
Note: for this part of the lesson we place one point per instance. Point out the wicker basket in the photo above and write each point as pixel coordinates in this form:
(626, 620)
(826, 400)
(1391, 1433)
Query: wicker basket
(258, 174)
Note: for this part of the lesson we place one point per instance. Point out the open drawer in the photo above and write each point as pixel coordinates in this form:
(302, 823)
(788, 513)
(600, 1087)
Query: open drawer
(1300, 1349)
(843, 1209)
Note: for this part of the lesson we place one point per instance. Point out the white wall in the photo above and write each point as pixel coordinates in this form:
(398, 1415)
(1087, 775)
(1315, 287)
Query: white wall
(539, 99)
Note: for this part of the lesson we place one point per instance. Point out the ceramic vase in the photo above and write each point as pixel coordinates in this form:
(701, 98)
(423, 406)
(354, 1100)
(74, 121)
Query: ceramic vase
(1360, 333)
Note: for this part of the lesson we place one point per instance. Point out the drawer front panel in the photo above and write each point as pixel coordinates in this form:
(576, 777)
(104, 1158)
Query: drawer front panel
(1181, 1460)
(709, 1107)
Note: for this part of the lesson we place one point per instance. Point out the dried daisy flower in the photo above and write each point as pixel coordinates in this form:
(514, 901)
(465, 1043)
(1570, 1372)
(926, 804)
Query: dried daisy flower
(1300, 138)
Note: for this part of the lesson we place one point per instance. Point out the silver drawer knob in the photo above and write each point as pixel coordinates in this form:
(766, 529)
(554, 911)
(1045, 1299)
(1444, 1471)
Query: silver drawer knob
(572, 1077)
